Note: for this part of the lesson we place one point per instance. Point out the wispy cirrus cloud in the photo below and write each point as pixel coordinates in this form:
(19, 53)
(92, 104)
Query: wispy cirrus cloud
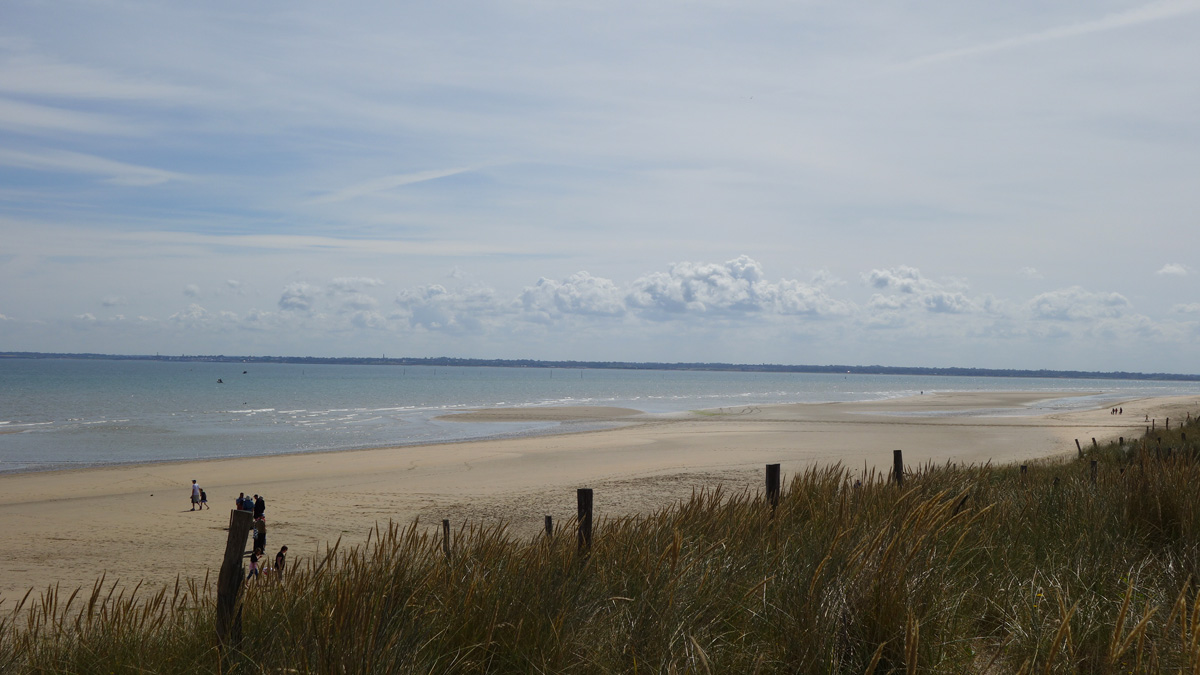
(1155, 11)
(33, 118)
(388, 183)
(64, 161)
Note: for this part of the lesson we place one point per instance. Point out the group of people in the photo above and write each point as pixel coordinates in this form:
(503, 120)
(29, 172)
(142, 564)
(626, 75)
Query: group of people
(1117, 411)
(257, 505)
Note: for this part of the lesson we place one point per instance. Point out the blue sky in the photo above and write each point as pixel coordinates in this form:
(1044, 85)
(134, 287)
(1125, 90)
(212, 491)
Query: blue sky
(935, 184)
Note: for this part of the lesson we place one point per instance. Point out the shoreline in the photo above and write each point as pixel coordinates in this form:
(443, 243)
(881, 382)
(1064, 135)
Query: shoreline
(69, 526)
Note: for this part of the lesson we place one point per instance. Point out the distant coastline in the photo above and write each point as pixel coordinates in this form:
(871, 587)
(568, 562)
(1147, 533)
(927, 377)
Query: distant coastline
(621, 365)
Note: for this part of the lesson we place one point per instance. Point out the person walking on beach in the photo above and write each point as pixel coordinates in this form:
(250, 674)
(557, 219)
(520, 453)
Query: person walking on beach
(204, 501)
(280, 562)
(195, 495)
(260, 506)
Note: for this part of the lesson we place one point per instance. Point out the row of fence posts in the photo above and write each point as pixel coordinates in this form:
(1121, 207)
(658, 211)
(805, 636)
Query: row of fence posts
(229, 583)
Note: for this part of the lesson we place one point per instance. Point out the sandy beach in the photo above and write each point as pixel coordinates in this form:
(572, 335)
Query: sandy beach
(134, 522)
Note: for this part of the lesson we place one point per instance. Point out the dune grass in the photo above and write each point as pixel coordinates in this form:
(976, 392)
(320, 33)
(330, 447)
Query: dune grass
(963, 569)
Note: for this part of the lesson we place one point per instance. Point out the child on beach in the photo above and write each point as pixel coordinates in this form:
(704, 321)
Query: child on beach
(280, 561)
(204, 501)
(254, 564)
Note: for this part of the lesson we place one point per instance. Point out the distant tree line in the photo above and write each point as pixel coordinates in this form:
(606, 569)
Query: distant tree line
(624, 365)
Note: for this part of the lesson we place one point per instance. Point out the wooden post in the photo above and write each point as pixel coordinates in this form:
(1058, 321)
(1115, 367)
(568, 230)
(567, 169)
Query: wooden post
(583, 497)
(898, 467)
(1121, 441)
(1095, 470)
(773, 485)
(1079, 448)
(1167, 426)
(1024, 469)
(229, 581)
(1094, 446)
(446, 538)
(549, 526)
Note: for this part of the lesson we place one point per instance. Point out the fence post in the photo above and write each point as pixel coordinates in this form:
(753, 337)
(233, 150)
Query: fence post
(229, 581)
(1095, 470)
(898, 467)
(1024, 469)
(446, 537)
(583, 497)
(1079, 448)
(773, 485)
(1094, 445)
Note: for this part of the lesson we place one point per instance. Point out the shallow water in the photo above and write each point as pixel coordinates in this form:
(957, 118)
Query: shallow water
(61, 413)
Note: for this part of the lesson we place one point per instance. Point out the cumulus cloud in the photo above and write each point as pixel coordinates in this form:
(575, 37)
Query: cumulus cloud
(298, 297)
(234, 287)
(353, 284)
(86, 316)
(909, 288)
(1189, 308)
(1174, 270)
(113, 301)
(1029, 273)
(734, 287)
(580, 293)
(1077, 304)
(437, 308)
(191, 291)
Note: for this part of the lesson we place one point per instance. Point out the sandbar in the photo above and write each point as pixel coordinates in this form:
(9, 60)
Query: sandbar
(133, 522)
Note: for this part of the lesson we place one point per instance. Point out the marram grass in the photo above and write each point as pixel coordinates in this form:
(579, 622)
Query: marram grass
(963, 570)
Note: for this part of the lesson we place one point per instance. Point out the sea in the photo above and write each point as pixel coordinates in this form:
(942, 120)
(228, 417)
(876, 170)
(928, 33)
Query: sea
(74, 413)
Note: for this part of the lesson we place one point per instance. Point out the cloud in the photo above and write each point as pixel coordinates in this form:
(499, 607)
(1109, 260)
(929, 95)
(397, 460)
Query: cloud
(1077, 304)
(1155, 11)
(113, 301)
(1174, 270)
(580, 293)
(29, 117)
(735, 287)
(1188, 308)
(298, 297)
(912, 289)
(1029, 273)
(388, 183)
(437, 308)
(116, 173)
(903, 279)
(353, 284)
(191, 290)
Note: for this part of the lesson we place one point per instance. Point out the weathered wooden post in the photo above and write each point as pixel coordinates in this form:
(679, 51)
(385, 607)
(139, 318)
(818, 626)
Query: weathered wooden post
(229, 581)
(1079, 448)
(549, 526)
(1121, 441)
(1024, 470)
(1095, 446)
(1095, 470)
(446, 537)
(583, 497)
(1167, 425)
(898, 467)
(773, 485)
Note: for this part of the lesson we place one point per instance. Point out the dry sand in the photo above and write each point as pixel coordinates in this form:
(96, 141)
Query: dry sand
(133, 522)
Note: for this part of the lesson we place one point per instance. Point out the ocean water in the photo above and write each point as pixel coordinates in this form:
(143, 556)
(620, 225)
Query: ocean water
(62, 413)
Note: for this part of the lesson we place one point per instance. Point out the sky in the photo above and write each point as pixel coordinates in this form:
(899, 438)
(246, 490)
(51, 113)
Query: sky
(974, 184)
